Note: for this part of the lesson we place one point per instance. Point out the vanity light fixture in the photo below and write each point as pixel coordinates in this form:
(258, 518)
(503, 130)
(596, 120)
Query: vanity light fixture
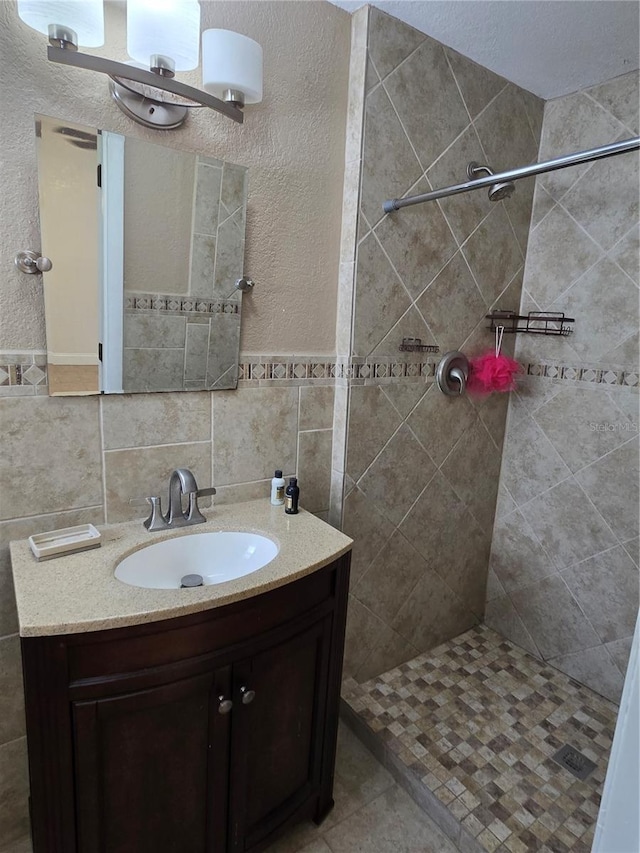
(163, 35)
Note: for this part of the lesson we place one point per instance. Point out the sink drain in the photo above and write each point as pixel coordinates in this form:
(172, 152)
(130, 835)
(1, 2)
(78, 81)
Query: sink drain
(191, 580)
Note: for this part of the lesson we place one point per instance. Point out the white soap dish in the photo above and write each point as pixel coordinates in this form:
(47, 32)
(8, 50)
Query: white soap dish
(68, 540)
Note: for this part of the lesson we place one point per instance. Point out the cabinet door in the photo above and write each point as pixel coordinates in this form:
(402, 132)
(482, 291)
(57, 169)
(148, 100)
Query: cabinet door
(277, 733)
(150, 766)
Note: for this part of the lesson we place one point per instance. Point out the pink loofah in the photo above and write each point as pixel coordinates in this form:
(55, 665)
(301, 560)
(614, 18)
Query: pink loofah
(491, 372)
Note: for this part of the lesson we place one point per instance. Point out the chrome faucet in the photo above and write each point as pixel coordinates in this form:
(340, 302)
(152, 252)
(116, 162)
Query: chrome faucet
(181, 483)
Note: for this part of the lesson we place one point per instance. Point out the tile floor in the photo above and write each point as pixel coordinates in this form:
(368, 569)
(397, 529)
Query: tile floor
(472, 725)
(372, 813)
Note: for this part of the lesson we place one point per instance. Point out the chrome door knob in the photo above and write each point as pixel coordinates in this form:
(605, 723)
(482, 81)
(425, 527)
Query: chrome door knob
(247, 695)
(225, 705)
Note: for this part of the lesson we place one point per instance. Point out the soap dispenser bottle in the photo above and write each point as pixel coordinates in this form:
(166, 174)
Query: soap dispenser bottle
(291, 496)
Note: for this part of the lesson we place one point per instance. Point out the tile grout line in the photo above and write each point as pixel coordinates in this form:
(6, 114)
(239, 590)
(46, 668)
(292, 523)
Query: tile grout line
(404, 130)
(103, 459)
(211, 437)
(157, 446)
(18, 518)
(608, 453)
(594, 100)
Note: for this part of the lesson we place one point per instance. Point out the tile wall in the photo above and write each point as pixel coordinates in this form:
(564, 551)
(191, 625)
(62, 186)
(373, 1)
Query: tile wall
(173, 340)
(564, 562)
(68, 461)
(415, 473)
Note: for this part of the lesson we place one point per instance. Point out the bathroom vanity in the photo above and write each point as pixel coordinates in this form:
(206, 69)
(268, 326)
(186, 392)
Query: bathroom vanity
(183, 720)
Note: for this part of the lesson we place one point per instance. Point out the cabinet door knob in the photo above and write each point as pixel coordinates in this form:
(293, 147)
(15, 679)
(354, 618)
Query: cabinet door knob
(225, 705)
(247, 695)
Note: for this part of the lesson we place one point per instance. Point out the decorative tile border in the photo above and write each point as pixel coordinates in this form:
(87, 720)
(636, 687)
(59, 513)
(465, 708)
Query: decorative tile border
(602, 375)
(23, 373)
(261, 369)
(267, 369)
(172, 304)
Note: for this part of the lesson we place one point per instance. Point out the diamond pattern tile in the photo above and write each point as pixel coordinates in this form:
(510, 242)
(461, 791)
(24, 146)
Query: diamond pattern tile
(605, 200)
(571, 419)
(377, 284)
(404, 462)
(410, 325)
(608, 314)
(424, 92)
(390, 41)
(551, 269)
(478, 85)
(620, 97)
(466, 211)
(33, 375)
(372, 421)
(493, 254)
(505, 132)
(418, 243)
(452, 305)
(568, 526)
(390, 165)
(573, 123)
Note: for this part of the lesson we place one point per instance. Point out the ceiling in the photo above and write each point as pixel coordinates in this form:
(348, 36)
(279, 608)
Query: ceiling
(550, 47)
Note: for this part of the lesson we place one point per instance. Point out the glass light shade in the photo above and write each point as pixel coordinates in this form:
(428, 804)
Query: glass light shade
(166, 27)
(84, 17)
(231, 61)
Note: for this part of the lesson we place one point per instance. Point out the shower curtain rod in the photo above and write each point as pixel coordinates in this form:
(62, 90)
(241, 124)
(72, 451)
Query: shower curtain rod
(516, 174)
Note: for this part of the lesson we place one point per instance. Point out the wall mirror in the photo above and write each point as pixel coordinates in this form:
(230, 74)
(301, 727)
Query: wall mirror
(146, 243)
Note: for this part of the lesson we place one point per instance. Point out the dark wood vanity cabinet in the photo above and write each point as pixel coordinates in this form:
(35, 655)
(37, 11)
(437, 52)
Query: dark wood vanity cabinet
(205, 733)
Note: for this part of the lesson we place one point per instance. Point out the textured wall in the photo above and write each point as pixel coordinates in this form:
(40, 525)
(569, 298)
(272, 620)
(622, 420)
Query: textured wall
(293, 144)
(420, 470)
(564, 583)
(108, 450)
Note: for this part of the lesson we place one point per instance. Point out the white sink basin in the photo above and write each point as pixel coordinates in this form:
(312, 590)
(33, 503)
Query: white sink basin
(216, 557)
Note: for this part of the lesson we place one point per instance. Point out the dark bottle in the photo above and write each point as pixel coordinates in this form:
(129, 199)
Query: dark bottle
(291, 495)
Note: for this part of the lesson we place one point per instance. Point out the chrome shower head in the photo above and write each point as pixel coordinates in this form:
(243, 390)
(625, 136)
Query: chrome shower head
(499, 191)
(496, 191)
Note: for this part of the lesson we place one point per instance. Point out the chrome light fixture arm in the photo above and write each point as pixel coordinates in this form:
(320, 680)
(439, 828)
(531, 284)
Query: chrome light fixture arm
(116, 70)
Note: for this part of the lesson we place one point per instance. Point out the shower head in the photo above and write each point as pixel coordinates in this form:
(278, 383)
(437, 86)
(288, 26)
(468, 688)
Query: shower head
(496, 191)
(499, 191)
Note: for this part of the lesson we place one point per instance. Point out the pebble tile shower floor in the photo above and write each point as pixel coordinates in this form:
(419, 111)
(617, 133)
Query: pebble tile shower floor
(472, 725)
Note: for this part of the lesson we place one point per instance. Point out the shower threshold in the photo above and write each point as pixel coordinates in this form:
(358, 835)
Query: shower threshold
(470, 730)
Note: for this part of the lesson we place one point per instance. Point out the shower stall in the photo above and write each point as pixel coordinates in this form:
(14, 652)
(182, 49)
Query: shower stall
(494, 578)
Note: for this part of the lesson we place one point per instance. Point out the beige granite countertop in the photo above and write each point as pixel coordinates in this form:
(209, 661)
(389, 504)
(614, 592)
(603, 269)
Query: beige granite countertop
(79, 592)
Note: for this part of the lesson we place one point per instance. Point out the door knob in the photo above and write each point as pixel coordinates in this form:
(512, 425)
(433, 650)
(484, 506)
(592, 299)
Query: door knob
(247, 695)
(225, 705)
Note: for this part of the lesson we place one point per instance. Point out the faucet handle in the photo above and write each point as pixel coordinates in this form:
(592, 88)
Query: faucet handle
(156, 520)
(204, 493)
